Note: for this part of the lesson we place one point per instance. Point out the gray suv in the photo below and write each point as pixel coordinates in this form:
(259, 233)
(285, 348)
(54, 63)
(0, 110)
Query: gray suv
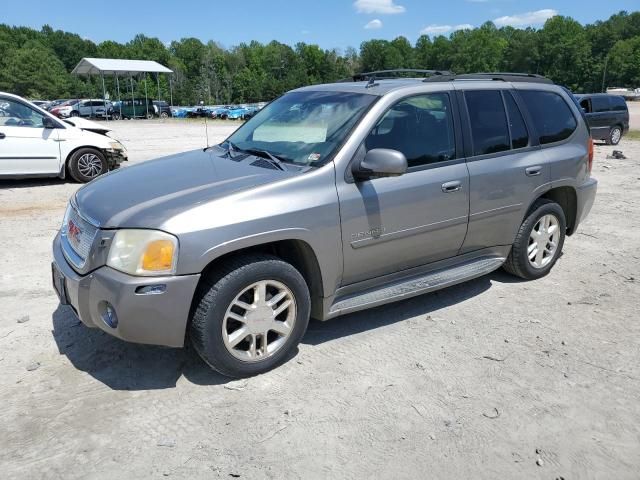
(332, 199)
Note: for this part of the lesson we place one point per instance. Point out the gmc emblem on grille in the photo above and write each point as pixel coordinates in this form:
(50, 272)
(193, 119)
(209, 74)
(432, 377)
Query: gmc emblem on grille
(74, 231)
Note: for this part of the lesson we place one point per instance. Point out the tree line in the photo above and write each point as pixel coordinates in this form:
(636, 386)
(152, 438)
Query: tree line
(37, 63)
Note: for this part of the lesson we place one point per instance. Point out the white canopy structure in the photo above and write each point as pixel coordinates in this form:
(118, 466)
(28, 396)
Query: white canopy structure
(125, 68)
(112, 66)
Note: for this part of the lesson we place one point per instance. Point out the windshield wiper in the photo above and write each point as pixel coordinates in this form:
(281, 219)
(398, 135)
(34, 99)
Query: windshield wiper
(274, 160)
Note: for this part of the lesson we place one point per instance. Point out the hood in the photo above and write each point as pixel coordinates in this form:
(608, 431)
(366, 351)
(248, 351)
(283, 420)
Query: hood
(148, 194)
(88, 125)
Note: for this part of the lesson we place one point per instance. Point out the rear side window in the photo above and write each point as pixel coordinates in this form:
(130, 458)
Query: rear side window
(519, 134)
(600, 104)
(551, 115)
(489, 129)
(618, 104)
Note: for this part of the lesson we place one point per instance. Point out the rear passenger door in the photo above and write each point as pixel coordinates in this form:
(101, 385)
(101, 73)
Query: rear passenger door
(506, 166)
(601, 118)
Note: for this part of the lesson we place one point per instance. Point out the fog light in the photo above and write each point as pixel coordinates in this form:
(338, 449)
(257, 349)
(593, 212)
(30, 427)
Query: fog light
(108, 314)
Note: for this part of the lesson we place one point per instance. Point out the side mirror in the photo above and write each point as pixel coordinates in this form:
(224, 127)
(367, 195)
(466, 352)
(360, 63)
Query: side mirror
(48, 123)
(380, 163)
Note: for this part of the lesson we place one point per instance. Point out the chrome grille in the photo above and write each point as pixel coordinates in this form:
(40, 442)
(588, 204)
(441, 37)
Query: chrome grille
(78, 234)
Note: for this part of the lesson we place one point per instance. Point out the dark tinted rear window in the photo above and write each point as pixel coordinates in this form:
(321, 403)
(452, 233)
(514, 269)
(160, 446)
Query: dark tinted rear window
(489, 128)
(519, 135)
(551, 115)
(618, 104)
(600, 104)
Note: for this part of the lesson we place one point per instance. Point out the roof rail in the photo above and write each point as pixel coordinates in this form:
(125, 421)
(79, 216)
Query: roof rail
(396, 73)
(497, 76)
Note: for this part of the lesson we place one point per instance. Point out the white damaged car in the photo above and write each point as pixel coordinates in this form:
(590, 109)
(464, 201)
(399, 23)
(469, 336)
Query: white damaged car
(34, 143)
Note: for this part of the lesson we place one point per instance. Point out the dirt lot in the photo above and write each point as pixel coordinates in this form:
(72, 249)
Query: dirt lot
(495, 378)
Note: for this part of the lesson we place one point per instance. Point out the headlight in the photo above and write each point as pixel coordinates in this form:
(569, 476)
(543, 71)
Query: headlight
(143, 252)
(116, 145)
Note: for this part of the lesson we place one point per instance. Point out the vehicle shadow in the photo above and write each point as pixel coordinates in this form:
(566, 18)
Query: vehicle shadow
(127, 366)
(32, 182)
(420, 306)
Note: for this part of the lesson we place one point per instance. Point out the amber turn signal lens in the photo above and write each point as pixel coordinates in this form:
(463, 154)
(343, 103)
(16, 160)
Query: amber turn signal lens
(158, 256)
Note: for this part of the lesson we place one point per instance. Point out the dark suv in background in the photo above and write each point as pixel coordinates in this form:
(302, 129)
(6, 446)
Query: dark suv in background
(608, 116)
(162, 109)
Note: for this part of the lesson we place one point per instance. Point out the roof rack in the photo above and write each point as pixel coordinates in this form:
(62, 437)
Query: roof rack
(497, 76)
(396, 73)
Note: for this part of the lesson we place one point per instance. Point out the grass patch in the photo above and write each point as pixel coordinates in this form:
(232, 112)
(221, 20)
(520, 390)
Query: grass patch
(633, 135)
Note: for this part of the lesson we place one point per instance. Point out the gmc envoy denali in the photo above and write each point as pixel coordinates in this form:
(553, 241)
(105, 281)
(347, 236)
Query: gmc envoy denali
(332, 199)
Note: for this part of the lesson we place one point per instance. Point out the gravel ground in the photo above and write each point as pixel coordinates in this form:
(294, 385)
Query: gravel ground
(495, 378)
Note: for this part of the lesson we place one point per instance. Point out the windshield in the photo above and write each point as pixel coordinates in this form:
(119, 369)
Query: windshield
(304, 128)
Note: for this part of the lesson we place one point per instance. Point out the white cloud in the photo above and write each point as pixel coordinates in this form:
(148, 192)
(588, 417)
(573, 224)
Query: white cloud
(373, 25)
(384, 7)
(442, 29)
(524, 19)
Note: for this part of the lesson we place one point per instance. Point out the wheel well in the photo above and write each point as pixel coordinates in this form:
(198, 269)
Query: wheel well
(66, 162)
(565, 197)
(295, 252)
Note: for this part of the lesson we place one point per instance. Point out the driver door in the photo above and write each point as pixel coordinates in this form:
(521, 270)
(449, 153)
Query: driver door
(393, 224)
(26, 147)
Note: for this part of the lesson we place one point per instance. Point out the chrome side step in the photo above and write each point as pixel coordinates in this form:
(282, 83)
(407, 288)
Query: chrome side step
(416, 285)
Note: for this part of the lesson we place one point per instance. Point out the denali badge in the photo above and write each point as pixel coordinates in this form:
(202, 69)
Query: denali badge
(373, 233)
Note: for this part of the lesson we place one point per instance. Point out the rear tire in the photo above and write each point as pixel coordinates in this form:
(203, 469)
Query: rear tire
(164, 115)
(615, 134)
(235, 328)
(86, 164)
(536, 236)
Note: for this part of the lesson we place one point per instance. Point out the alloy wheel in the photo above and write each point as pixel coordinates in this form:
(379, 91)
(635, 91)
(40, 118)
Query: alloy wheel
(259, 320)
(90, 165)
(543, 241)
(616, 135)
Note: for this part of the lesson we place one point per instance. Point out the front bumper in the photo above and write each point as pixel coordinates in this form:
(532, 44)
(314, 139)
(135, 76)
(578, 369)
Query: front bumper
(115, 157)
(586, 194)
(154, 318)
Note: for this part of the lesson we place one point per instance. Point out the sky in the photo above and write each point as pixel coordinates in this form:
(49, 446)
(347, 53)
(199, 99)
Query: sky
(328, 23)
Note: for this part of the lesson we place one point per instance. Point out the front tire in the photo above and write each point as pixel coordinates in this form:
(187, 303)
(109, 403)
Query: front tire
(539, 241)
(86, 164)
(249, 315)
(615, 135)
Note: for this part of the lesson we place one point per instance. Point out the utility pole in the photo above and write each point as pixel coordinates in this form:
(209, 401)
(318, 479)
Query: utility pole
(604, 72)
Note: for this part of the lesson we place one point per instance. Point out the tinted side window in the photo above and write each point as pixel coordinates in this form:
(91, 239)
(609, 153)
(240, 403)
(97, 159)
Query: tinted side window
(489, 129)
(519, 134)
(421, 127)
(618, 104)
(551, 115)
(600, 104)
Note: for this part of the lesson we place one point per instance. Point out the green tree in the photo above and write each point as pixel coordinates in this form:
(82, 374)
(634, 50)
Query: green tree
(566, 52)
(34, 71)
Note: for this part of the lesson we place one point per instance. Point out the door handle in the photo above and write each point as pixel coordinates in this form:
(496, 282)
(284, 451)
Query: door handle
(533, 171)
(451, 187)
(2, 135)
